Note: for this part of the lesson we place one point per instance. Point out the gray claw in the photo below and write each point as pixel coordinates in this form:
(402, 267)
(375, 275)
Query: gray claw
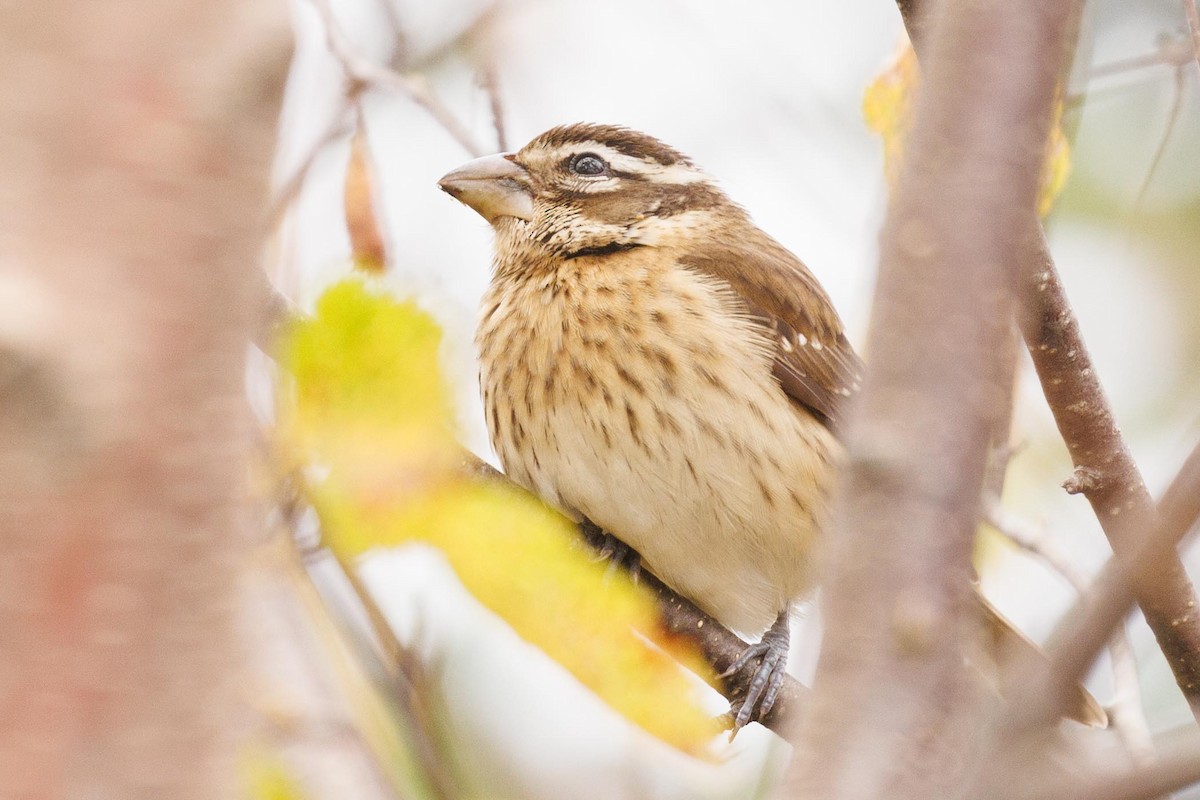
(764, 685)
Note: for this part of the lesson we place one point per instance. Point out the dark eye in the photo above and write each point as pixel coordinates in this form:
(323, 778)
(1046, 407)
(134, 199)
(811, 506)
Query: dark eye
(587, 164)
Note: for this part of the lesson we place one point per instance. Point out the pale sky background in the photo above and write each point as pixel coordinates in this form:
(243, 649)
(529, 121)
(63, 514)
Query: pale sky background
(766, 97)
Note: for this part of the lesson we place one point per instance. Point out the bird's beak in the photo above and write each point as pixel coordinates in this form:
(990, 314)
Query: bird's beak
(495, 186)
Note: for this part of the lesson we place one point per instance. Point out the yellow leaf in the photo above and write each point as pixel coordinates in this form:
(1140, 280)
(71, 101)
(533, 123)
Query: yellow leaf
(264, 777)
(370, 408)
(887, 109)
(1057, 165)
(368, 391)
(520, 559)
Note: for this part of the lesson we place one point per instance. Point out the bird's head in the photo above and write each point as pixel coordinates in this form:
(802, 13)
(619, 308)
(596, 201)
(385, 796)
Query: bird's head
(581, 190)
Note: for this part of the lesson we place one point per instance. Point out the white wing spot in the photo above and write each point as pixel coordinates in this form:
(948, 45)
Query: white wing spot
(816, 345)
(786, 344)
(801, 339)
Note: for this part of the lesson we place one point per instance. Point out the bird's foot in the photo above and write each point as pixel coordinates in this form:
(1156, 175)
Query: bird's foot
(612, 550)
(764, 685)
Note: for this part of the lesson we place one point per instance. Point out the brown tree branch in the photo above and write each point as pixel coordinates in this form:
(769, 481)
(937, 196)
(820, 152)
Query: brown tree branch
(1084, 630)
(1127, 712)
(893, 713)
(1107, 476)
(1105, 472)
(1176, 766)
(719, 645)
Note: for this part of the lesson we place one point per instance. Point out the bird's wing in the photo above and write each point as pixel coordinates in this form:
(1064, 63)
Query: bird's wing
(814, 362)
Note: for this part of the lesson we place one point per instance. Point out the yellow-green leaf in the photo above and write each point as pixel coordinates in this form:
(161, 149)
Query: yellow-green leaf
(887, 108)
(370, 409)
(264, 777)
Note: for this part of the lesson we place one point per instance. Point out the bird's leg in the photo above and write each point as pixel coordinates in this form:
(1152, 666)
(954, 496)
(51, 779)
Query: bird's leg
(611, 549)
(764, 685)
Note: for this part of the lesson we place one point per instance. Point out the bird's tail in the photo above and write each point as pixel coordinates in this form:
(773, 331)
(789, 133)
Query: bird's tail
(1009, 646)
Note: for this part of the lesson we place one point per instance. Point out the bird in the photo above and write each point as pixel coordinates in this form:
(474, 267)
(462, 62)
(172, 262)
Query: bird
(654, 363)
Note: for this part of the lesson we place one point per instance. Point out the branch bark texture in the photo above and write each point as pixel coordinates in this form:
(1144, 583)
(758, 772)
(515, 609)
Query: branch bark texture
(1105, 472)
(892, 712)
(1075, 644)
(135, 143)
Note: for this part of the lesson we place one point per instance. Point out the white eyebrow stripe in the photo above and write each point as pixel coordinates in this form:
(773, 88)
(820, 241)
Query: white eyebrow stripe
(657, 231)
(645, 168)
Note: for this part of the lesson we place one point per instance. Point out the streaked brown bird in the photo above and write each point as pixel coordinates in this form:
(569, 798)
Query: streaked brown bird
(654, 362)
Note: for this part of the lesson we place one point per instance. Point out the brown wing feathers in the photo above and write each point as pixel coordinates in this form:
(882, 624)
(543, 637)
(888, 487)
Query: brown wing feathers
(814, 362)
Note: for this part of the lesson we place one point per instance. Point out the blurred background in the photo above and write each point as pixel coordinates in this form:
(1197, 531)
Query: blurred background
(767, 97)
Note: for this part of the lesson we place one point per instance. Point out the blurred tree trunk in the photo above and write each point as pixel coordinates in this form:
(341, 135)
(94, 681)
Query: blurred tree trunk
(135, 144)
(893, 713)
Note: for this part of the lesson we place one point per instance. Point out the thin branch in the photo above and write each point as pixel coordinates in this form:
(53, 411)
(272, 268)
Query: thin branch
(406, 675)
(719, 645)
(397, 670)
(1128, 715)
(1193, 18)
(275, 312)
(1084, 630)
(289, 190)
(491, 85)
(1127, 712)
(1105, 472)
(1172, 118)
(1175, 767)
(361, 70)
(1123, 65)
(401, 47)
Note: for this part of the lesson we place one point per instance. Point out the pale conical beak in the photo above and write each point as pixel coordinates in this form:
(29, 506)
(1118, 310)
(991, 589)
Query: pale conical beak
(495, 186)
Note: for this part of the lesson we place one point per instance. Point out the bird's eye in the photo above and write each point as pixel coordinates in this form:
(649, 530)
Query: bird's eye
(587, 164)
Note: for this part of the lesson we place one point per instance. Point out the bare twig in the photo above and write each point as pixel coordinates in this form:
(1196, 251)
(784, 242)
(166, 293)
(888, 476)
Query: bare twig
(274, 313)
(1175, 767)
(1121, 66)
(1085, 629)
(1128, 714)
(1106, 473)
(491, 85)
(289, 190)
(406, 676)
(361, 70)
(398, 672)
(401, 48)
(1172, 118)
(1193, 18)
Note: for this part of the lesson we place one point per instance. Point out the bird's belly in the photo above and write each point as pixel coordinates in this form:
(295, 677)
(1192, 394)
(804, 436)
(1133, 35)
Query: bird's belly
(707, 507)
(687, 450)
